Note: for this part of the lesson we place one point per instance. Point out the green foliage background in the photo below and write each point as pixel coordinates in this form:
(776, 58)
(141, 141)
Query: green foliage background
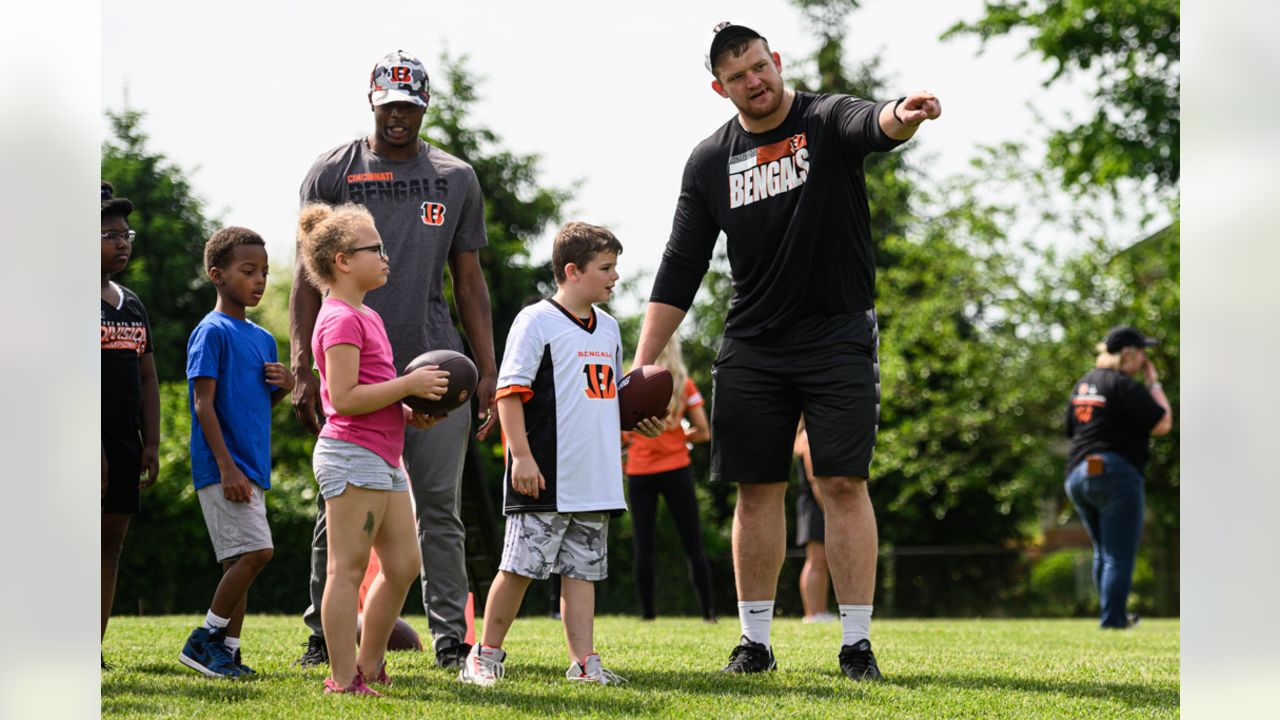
(982, 335)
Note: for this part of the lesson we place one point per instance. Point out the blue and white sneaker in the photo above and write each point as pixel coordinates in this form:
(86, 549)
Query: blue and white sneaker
(244, 669)
(205, 653)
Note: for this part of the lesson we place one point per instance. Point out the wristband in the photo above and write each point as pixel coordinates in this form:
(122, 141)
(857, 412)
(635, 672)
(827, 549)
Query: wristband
(895, 110)
(1155, 386)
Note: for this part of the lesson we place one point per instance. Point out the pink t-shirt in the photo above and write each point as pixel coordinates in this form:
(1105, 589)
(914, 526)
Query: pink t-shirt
(381, 431)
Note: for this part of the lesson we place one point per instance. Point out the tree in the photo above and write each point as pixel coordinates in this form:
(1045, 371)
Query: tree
(166, 269)
(1133, 50)
(517, 208)
(1073, 303)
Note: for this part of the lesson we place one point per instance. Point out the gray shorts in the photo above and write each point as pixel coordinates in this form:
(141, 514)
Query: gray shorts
(573, 545)
(338, 463)
(235, 528)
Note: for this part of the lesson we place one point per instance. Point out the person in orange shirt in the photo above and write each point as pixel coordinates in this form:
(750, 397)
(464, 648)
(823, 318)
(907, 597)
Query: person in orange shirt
(661, 466)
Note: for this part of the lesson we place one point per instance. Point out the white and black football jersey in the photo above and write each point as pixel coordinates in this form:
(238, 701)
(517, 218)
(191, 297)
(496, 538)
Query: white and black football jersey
(566, 370)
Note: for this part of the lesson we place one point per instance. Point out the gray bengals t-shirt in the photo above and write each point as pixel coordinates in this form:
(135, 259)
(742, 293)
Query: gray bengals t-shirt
(424, 208)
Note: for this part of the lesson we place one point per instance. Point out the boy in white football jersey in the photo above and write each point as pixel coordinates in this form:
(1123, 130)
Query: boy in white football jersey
(558, 403)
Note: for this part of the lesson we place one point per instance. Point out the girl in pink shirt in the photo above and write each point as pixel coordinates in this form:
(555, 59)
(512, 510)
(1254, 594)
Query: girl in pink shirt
(357, 457)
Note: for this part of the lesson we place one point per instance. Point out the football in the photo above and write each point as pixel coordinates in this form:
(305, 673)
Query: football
(462, 381)
(403, 636)
(644, 392)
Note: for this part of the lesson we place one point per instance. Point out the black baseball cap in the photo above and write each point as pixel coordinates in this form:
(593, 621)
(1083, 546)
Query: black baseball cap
(722, 34)
(1123, 336)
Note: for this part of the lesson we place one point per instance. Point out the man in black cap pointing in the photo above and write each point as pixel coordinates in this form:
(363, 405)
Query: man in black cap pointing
(783, 180)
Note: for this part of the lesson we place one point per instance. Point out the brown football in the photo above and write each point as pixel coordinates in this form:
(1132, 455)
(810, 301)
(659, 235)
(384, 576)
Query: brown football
(644, 392)
(462, 381)
(403, 636)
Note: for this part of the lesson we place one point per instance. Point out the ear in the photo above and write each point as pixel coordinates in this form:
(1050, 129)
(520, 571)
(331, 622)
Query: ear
(370, 96)
(215, 274)
(715, 85)
(777, 61)
(572, 271)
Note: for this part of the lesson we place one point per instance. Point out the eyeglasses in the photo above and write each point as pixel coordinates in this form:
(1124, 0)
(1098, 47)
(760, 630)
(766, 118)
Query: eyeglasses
(115, 236)
(379, 248)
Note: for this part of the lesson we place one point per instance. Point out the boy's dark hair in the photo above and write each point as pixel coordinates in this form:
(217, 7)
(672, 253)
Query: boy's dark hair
(736, 46)
(113, 206)
(579, 243)
(218, 250)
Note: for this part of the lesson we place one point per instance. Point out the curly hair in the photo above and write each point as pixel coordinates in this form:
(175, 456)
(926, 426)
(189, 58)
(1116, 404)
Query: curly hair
(112, 206)
(325, 231)
(217, 251)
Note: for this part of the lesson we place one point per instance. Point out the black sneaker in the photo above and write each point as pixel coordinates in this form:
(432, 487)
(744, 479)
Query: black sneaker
(750, 657)
(858, 662)
(317, 653)
(453, 656)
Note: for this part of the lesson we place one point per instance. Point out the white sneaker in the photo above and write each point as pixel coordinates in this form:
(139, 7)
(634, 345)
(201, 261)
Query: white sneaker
(594, 672)
(823, 617)
(483, 666)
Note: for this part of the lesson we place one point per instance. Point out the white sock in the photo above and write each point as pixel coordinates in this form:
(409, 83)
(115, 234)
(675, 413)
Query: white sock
(213, 622)
(856, 620)
(233, 644)
(756, 617)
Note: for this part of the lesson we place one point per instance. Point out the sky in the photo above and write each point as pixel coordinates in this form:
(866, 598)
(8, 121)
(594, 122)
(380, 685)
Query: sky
(245, 95)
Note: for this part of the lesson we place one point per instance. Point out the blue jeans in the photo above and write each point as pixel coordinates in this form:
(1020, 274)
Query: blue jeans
(1111, 507)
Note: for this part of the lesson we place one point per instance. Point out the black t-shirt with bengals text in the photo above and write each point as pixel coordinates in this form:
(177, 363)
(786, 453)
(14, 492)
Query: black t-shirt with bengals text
(125, 337)
(1111, 412)
(793, 204)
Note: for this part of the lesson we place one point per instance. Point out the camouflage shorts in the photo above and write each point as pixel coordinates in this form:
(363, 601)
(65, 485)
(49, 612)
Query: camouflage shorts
(571, 545)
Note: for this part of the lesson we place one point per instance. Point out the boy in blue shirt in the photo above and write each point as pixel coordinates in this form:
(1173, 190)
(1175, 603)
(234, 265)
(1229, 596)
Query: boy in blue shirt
(234, 379)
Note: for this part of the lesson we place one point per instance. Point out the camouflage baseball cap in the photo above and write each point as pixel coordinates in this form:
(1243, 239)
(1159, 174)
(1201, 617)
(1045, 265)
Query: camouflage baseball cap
(399, 77)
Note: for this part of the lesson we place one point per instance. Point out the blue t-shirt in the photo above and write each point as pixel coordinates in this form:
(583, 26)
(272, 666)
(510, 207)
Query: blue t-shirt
(232, 352)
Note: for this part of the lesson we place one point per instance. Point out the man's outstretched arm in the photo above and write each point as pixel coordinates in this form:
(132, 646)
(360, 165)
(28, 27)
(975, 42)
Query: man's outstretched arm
(899, 120)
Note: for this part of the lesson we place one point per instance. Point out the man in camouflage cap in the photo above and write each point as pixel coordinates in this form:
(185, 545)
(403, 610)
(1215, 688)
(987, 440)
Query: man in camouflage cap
(428, 209)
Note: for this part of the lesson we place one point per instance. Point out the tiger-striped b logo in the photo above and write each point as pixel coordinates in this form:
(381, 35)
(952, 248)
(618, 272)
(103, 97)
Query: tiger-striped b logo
(433, 213)
(600, 384)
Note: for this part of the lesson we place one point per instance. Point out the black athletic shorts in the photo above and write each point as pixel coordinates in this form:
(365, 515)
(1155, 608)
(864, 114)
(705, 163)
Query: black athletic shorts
(124, 467)
(811, 523)
(824, 367)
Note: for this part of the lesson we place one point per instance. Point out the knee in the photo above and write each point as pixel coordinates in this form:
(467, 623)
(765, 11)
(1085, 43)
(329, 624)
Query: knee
(257, 559)
(816, 559)
(518, 582)
(437, 513)
(347, 570)
(401, 571)
(111, 549)
(112, 546)
(760, 499)
(844, 491)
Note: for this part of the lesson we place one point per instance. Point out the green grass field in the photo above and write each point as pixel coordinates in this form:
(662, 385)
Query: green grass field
(935, 669)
